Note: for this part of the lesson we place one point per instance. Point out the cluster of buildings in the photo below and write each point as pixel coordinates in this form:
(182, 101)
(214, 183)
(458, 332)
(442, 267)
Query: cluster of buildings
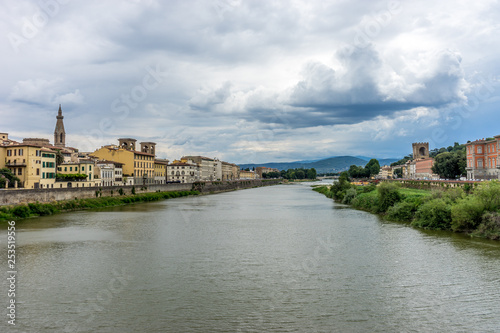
(418, 168)
(483, 161)
(39, 164)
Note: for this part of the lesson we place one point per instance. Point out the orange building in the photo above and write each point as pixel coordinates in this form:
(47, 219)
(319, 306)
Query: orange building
(483, 160)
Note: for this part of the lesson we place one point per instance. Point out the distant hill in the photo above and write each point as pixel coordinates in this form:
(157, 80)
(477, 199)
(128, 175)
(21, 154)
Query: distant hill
(332, 164)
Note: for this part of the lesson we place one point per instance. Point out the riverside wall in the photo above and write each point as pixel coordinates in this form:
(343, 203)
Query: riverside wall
(24, 196)
(434, 184)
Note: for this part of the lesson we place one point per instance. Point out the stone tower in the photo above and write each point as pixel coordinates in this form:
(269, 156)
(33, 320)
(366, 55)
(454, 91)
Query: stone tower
(127, 143)
(148, 147)
(59, 133)
(420, 150)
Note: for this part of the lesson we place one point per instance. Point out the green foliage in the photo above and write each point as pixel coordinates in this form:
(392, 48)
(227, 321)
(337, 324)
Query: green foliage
(388, 195)
(350, 194)
(367, 201)
(133, 190)
(340, 187)
(370, 169)
(299, 173)
(403, 211)
(398, 173)
(450, 165)
(373, 166)
(21, 211)
(489, 194)
(466, 213)
(71, 176)
(6, 174)
(121, 191)
(434, 214)
(489, 226)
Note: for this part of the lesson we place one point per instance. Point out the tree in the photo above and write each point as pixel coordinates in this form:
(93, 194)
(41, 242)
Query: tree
(6, 174)
(398, 173)
(300, 174)
(59, 158)
(373, 167)
(450, 165)
(311, 173)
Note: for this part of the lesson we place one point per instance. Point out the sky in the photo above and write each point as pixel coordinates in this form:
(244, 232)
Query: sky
(250, 81)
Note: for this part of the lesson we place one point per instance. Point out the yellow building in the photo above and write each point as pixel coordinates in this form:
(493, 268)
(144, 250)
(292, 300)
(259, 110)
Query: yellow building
(160, 174)
(48, 170)
(247, 174)
(136, 164)
(25, 161)
(85, 167)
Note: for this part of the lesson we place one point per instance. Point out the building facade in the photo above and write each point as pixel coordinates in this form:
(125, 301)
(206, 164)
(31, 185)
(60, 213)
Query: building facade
(483, 159)
(211, 168)
(136, 164)
(160, 173)
(183, 171)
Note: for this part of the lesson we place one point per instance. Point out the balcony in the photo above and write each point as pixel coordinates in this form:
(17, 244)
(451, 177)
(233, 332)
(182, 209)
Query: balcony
(15, 163)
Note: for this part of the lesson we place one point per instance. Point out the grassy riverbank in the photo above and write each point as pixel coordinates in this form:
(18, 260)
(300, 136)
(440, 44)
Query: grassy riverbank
(10, 213)
(476, 213)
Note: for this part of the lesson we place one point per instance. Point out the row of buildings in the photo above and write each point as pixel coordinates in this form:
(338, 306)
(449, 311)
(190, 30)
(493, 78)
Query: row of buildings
(39, 164)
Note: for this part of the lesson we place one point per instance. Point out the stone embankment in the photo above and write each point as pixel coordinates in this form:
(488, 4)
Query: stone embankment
(24, 196)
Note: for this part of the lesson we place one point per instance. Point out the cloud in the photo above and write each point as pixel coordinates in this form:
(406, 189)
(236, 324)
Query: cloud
(45, 93)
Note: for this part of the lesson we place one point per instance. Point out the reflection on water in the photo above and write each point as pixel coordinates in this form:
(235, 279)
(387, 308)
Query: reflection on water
(275, 259)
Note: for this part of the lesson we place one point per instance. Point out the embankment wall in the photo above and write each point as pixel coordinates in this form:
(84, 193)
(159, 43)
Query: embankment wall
(21, 196)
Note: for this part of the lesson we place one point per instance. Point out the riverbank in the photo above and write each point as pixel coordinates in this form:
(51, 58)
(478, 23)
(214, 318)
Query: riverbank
(119, 197)
(475, 213)
(9, 213)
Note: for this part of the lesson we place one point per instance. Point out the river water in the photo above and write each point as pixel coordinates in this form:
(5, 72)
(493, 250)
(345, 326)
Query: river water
(272, 259)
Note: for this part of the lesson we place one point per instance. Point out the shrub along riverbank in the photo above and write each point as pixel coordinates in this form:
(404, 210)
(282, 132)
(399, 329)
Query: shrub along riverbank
(10, 213)
(476, 213)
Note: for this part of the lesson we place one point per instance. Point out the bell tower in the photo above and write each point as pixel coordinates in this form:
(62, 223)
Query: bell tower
(59, 133)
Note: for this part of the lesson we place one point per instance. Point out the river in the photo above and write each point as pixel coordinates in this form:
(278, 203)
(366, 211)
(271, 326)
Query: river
(272, 259)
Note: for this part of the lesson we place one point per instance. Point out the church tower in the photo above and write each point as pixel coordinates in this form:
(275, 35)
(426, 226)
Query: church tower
(59, 133)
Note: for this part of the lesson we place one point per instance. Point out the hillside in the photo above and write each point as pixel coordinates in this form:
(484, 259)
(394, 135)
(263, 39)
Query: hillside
(332, 164)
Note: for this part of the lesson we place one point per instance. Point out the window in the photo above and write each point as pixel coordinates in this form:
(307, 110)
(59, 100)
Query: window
(70, 168)
(21, 151)
(38, 172)
(43, 164)
(83, 168)
(19, 171)
(15, 152)
(479, 150)
(9, 152)
(479, 163)
(43, 175)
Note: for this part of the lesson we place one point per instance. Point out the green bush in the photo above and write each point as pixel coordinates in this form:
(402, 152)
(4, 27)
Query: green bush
(489, 226)
(350, 194)
(434, 214)
(489, 194)
(21, 211)
(466, 213)
(402, 211)
(388, 195)
(366, 201)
